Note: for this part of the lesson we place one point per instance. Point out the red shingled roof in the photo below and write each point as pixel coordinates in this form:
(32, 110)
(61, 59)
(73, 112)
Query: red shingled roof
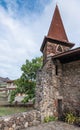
(56, 30)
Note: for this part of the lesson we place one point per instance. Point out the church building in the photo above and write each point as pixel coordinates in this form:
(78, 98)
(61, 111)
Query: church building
(58, 82)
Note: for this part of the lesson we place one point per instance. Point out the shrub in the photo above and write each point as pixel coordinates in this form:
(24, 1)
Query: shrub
(49, 119)
(70, 118)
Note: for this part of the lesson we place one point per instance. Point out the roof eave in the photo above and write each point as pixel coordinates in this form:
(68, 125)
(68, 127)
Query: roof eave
(68, 54)
(46, 38)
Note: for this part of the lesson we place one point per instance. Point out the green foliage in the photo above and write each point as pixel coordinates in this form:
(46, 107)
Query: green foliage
(77, 121)
(27, 82)
(49, 119)
(70, 118)
(12, 96)
(31, 67)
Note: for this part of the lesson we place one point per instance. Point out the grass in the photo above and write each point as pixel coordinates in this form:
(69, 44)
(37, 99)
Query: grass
(12, 110)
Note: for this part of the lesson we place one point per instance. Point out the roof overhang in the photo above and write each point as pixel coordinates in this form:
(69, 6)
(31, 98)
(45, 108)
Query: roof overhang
(68, 56)
(10, 81)
(49, 39)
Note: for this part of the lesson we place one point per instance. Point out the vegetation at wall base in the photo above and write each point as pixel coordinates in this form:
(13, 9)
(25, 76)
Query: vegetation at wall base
(49, 119)
(70, 118)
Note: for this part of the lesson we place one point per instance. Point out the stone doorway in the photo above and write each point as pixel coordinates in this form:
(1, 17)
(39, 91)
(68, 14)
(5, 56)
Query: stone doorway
(59, 108)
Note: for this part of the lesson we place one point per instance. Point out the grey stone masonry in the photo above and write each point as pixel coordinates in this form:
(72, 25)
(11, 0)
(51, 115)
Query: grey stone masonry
(46, 91)
(20, 121)
(58, 88)
(71, 86)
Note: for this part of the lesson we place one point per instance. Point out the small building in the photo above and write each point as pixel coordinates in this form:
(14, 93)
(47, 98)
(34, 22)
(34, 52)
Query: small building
(6, 86)
(3, 91)
(58, 82)
(10, 85)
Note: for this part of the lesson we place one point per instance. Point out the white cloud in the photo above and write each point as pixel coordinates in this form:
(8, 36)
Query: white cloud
(20, 39)
(71, 18)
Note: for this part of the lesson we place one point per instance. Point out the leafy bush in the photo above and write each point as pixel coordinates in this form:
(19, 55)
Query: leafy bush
(49, 119)
(27, 82)
(70, 118)
(12, 96)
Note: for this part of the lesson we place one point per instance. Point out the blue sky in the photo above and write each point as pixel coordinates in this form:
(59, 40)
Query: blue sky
(23, 24)
(25, 6)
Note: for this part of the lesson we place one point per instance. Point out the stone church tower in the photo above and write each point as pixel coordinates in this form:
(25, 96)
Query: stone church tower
(60, 72)
(56, 40)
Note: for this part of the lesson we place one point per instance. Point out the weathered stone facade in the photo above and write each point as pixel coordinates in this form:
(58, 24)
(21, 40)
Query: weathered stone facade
(44, 93)
(71, 85)
(58, 82)
(53, 49)
(63, 87)
(47, 94)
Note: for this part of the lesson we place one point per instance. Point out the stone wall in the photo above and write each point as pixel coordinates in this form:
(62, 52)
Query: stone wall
(66, 85)
(45, 91)
(20, 121)
(71, 86)
(58, 87)
(51, 49)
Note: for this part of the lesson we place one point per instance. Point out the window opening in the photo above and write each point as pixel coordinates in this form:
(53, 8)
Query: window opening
(59, 108)
(56, 69)
(59, 48)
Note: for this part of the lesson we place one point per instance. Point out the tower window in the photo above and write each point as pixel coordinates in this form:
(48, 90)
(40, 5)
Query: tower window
(59, 48)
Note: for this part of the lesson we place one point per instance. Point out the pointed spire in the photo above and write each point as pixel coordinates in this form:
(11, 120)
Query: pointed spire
(56, 30)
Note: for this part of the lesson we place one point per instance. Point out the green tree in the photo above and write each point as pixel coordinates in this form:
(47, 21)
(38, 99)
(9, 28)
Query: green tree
(27, 82)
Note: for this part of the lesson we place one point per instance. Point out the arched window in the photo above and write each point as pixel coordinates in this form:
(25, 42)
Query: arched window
(59, 48)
